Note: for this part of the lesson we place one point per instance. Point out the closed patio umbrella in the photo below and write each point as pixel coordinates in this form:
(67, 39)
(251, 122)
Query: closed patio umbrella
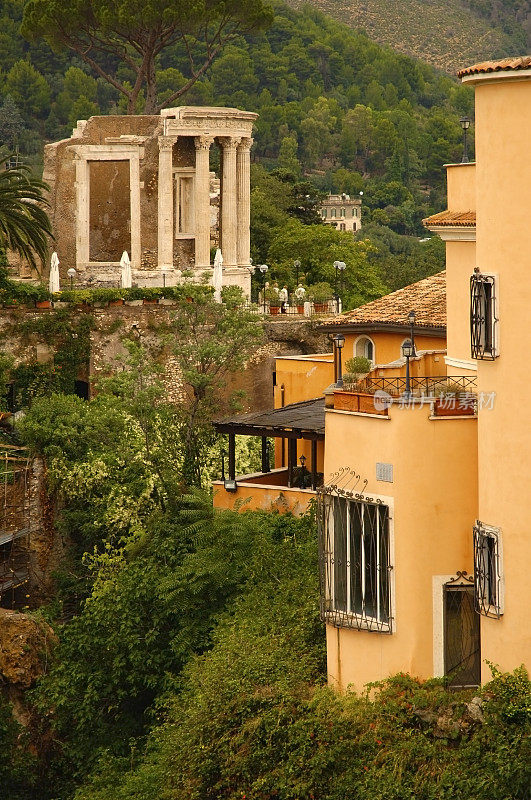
(217, 275)
(127, 277)
(54, 285)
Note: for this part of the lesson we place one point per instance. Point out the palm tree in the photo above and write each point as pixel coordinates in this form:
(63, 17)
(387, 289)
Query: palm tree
(24, 224)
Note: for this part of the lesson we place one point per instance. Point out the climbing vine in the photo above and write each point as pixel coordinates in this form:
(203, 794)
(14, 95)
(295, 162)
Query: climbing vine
(67, 337)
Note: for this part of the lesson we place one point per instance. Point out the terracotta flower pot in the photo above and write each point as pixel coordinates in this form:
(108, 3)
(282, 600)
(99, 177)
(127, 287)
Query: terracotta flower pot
(43, 304)
(116, 302)
(357, 401)
(274, 310)
(300, 310)
(320, 308)
(442, 409)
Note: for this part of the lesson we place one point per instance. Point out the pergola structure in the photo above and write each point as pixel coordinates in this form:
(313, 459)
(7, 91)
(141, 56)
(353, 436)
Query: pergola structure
(293, 422)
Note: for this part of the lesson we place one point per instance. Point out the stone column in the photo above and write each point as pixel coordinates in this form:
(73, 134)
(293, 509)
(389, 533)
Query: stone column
(229, 226)
(243, 173)
(165, 215)
(82, 212)
(202, 200)
(134, 194)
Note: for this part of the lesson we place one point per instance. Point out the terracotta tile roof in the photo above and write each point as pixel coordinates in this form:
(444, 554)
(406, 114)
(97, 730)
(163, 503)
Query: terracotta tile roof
(427, 298)
(458, 218)
(522, 62)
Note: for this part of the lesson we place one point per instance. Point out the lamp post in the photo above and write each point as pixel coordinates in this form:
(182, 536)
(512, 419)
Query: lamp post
(71, 274)
(297, 265)
(465, 124)
(262, 270)
(411, 320)
(304, 474)
(339, 267)
(339, 341)
(407, 352)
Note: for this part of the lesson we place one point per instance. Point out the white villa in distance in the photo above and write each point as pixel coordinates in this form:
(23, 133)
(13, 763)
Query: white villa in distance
(342, 212)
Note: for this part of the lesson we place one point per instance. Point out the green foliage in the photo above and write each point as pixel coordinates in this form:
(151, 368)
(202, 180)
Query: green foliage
(401, 260)
(17, 765)
(104, 33)
(28, 88)
(212, 340)
(249, 723)
(24, 224)
(359, 365)
(68, 340)
(149, 612)
(318, 246)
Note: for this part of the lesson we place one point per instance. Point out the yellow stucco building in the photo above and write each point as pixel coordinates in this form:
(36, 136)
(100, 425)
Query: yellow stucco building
(422, 481)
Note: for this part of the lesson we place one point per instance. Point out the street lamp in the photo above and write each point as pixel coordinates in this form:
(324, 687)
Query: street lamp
(411, 320)
(408, 351)
(228, 483)
(339, 267)
(339, 341)
(262, 270)
(297, 265)
(465, 124)
(71, 274)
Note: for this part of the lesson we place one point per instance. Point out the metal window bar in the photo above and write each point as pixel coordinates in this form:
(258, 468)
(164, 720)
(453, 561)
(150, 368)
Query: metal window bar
(483, 320)
(487, 571)
(425, 385)
(354, 563)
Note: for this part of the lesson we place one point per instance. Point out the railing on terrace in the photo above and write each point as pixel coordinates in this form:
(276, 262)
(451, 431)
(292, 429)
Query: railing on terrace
(427, 386)
(305, 310)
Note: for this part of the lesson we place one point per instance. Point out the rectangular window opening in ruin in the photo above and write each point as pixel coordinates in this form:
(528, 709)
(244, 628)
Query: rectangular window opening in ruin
(109, 210)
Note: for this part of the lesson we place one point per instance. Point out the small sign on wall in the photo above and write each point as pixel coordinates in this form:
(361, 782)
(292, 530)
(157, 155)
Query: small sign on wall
(384, 472)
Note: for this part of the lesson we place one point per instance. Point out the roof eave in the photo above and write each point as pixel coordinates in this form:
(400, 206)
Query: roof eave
(389, 327)
(453, 233)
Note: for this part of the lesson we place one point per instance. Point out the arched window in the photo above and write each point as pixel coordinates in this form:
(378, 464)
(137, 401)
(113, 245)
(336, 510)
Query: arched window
(364, 347)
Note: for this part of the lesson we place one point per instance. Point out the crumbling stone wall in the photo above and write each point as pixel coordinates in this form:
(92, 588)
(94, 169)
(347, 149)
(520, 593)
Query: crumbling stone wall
(150, 323)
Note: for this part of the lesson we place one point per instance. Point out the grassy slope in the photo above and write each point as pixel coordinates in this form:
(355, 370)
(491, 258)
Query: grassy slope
(442, 32)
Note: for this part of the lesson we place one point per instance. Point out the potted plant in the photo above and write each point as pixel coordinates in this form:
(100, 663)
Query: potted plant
(320, 293)
(273, 300)
(115, 297)
(298, 298)
(356, 368)
(133, 296)
(451, 400)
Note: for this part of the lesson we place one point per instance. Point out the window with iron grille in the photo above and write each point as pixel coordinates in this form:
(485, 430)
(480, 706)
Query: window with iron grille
(355, 563)
(487, 570)
(483, 320)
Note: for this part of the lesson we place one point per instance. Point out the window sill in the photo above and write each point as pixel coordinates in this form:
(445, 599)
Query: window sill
(343, 619)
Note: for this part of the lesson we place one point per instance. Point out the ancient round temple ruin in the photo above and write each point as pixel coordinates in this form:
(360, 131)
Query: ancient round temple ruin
(144, 185)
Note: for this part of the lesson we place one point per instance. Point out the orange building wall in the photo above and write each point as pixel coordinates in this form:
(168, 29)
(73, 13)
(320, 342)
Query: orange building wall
(503, 122)
(460, 263)
(461, 184)
(387, 346)
(259, 493)
(303, 377)
(434, 497)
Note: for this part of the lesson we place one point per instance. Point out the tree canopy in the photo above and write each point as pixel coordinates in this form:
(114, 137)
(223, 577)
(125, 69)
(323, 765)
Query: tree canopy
(106, 33)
